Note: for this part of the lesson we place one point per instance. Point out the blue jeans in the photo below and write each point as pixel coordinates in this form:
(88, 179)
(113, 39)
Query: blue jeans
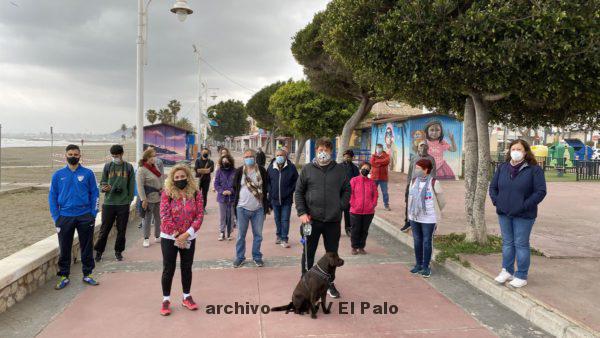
(423, 238)
(244, 217)
(515, 242)
(282, 220)
(384, 191)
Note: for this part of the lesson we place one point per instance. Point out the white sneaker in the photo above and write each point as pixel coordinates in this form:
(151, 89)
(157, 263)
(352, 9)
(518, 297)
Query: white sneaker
(285, 244)
(146, 243)
(518, 283)
(503, 277)
(221, 237)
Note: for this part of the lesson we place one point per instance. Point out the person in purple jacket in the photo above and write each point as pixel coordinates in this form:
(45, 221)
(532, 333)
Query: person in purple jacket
(225, 195)
(516, 190)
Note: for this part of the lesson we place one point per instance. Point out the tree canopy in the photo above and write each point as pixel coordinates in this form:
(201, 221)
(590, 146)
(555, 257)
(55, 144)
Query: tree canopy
(258, 106)
(231, 117)
(308, 114)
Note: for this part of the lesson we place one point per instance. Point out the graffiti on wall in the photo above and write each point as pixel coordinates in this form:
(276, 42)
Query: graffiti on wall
(442, 134)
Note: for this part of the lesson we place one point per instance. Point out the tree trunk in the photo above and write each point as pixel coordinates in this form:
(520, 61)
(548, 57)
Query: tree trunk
(470, 171)
(300, 150)
(270, 149)
(363, 109)
(483, 168)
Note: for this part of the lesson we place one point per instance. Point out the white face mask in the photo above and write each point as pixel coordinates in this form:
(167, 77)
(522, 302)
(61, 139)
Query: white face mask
(323, 157)
(516, 155)
(379, 150)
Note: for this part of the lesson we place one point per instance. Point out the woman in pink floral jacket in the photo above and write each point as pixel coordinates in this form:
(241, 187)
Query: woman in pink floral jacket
(181, 214)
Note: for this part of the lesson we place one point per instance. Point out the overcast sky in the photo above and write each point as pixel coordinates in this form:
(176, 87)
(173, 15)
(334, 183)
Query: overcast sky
(71, 63)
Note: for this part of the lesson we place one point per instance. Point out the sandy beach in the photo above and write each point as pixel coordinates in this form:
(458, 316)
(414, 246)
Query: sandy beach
(36, 164)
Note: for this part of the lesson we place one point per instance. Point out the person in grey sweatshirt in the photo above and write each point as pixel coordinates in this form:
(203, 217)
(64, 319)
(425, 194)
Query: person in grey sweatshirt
(149, 185)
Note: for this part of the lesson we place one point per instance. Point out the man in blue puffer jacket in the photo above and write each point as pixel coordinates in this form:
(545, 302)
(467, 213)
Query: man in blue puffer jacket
(73, 200)
(282, 175)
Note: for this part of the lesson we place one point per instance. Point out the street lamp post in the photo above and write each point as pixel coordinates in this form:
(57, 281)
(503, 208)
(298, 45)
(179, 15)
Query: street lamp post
(182, 10)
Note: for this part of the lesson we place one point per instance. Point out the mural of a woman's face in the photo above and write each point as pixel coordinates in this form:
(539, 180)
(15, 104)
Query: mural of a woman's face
(434, 132)
(389, 137)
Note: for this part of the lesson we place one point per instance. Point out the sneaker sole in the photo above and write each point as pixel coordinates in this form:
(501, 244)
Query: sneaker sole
(165, 314)
(332, 296)
(187, 307)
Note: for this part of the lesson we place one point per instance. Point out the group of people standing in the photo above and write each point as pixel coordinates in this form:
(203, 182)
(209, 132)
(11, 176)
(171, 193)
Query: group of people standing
(174, 206)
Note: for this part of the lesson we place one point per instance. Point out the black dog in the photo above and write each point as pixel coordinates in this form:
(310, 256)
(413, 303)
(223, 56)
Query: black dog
(313, 286)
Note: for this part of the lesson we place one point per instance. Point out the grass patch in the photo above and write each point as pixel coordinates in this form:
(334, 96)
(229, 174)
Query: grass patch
(450, 246)
(552, 176)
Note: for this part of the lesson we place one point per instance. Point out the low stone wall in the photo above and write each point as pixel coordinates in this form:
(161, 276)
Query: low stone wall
(26, 270)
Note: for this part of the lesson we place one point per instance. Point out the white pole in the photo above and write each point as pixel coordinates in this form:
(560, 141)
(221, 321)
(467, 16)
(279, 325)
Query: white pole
(200, 119)
(52, 147)
(139, 136)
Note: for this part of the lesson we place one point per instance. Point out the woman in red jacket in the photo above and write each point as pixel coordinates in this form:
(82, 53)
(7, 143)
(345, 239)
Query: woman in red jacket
(181, 214)
(363, 201)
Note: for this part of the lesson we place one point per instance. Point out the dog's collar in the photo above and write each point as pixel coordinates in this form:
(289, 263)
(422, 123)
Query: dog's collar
(319, 271)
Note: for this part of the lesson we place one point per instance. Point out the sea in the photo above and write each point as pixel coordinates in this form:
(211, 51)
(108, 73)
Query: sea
(22, 143)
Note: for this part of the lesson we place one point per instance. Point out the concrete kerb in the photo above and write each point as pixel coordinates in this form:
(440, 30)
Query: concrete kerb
(533, 310)
(39, 260)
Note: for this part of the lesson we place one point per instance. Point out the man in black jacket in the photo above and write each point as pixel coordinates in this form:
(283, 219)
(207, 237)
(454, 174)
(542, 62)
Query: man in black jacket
(251, 186)
(322, 192)
(203, 168)
(351, 171)
(261, 158)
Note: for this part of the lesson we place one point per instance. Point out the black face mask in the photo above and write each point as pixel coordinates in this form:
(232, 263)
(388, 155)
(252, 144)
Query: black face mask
(226, 165)
(73, 160)
(181, 184)
(365, 172)
(204, 155)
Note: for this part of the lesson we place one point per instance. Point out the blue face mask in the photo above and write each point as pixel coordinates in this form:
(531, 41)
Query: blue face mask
(280, 160)
(249, 161)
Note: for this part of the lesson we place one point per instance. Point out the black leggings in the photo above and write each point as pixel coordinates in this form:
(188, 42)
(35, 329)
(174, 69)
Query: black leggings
(169, 252)
(204, 185)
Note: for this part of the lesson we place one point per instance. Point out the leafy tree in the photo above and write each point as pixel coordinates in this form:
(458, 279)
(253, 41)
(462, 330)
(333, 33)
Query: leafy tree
(308, 114)
(151, 115)
(174, 106)
(527, 63)
(258, 108)
(231, 117)
(329, 76)
(165, 116)
(184, 123)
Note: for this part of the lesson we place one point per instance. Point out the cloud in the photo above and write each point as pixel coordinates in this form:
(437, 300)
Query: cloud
(71, 64)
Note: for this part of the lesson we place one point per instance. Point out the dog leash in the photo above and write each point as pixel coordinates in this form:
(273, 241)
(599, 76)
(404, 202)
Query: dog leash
(306, 231)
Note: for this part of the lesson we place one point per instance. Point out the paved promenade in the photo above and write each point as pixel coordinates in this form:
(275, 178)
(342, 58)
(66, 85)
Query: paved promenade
(127, 302)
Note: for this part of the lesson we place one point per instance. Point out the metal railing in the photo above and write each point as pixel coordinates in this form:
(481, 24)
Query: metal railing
(588, 170)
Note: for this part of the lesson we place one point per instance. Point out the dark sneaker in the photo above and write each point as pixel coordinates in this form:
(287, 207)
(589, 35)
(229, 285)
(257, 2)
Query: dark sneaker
(278, 241)
(90, 280)
(98, 256)
(119, 256)
(416, 269)
(238, 262)
(259, 262)
(388, 208)
(348, 232)
(354, 251)
(426, 272)
(190, 304)
(332, 291)
(62, 283)
(165, 310)
(362, 251)
(405, 227)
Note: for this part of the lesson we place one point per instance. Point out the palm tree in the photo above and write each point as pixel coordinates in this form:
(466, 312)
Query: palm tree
(174, 106)
(151, 115)
(184, 123)
(165, 116)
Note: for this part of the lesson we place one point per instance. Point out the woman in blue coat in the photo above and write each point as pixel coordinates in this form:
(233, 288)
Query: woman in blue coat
(225, 195)
(516, 190)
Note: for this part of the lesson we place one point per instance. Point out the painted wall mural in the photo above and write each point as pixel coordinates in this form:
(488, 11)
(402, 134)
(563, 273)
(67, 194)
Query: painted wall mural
(170, 143)
(443, 135)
